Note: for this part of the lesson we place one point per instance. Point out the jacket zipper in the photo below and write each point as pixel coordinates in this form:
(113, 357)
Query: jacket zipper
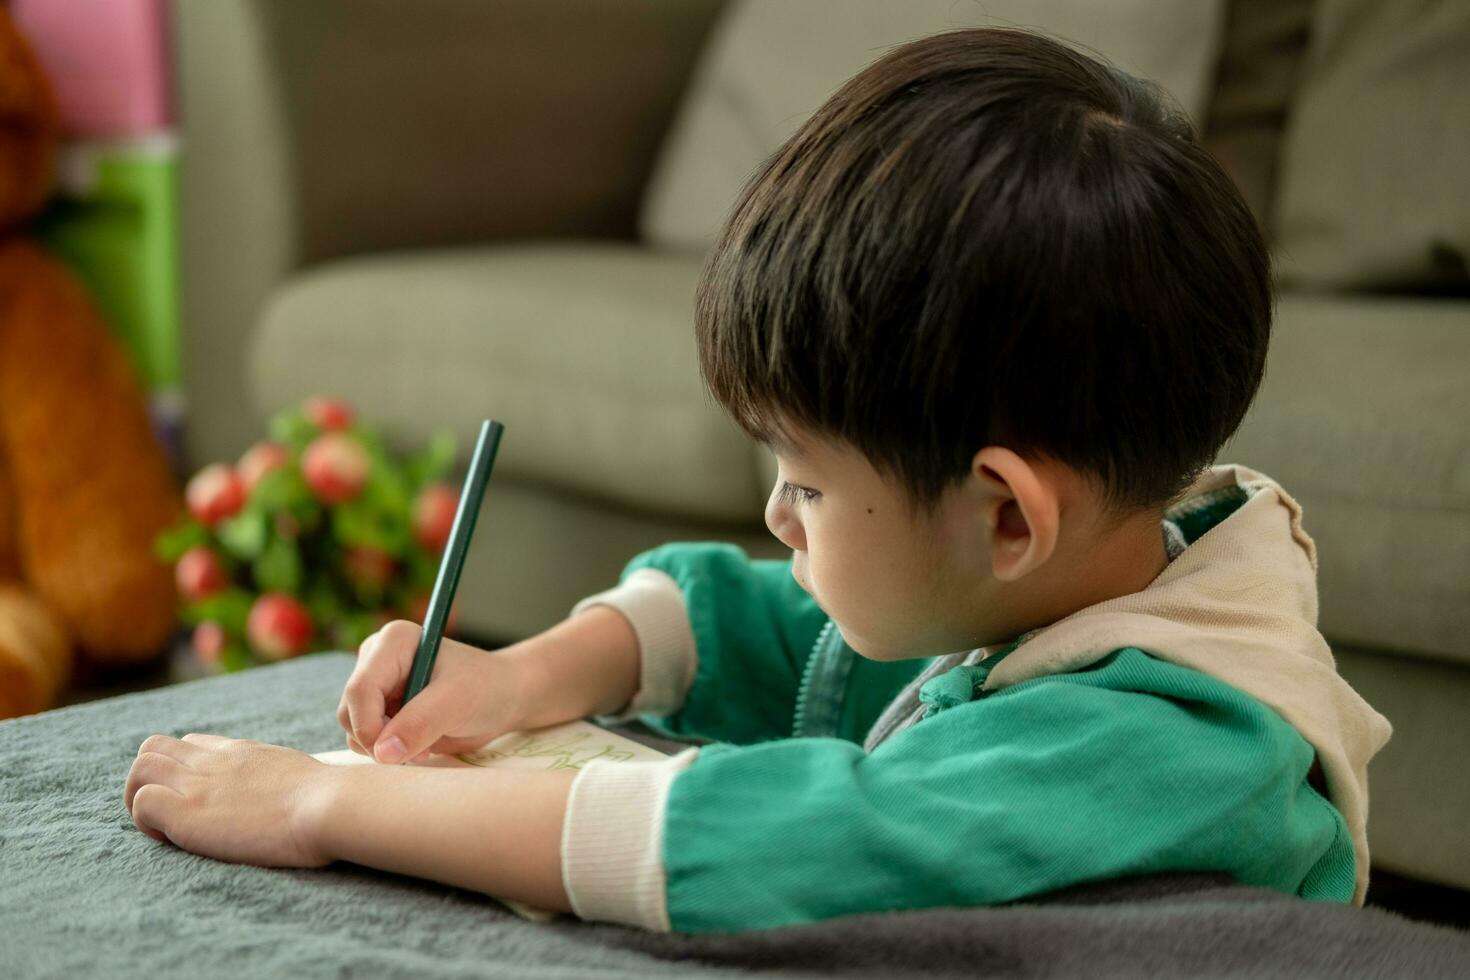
(823, 683)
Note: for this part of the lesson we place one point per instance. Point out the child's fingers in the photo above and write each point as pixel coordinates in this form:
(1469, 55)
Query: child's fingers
(151, 767)
(360, 705)
(415, 728)
(350, 698)
(176, 748)
(154, 808)
(381, 672)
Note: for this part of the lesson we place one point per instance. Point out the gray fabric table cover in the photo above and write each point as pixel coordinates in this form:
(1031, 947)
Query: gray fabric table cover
(83, 892)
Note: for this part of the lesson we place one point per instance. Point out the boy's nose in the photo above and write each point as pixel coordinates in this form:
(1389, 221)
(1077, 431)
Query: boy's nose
(781, 522)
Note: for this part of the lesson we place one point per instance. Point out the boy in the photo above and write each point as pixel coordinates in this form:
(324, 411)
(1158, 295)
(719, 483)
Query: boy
(995, 311)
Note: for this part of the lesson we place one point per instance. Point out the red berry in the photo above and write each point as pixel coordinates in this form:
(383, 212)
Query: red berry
(260, 459)
(213, 494)
(199, 574)
(209, 641)
(328, 413)
(335, 467)
(433, 516)
(368, 567)
(278, 626)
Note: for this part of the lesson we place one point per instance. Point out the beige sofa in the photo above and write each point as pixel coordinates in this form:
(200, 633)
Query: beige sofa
(452, 209)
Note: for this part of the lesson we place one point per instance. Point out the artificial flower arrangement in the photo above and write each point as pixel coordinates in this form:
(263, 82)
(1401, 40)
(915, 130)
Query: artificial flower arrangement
(314, 539)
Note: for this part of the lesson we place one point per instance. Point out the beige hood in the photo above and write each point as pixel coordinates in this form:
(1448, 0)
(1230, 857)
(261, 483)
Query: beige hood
(1239, 604)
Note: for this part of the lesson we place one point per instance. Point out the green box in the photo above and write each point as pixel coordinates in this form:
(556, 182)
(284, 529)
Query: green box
(114, 220)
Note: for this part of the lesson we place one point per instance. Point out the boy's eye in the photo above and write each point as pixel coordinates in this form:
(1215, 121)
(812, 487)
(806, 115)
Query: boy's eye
(792, 494)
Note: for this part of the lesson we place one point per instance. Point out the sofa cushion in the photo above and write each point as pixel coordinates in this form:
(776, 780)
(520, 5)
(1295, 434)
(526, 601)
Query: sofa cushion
(771, 63)
(1364, 417)
(1260, 60)
(1373, 188)
(584, 350)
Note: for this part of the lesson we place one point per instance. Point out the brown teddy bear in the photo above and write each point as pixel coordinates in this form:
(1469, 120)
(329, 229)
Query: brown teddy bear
(84, 484)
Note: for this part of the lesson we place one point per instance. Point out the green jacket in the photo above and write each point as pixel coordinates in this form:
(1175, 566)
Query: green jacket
(1127, 766)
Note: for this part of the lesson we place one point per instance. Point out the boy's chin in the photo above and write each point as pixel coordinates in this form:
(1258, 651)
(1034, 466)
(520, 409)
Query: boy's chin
(869, 650)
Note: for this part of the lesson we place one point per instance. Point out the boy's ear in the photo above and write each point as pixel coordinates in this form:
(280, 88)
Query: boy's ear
(1021, 509)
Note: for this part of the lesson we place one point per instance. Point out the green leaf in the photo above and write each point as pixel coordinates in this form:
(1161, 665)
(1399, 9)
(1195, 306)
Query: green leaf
(279, 568)
(233, 658)
(244, 535)
(172, 543)
(323, 604)
(351, 524)
(357, 522)
(423, 569)
(303, 506)
(369, 439)
(229, 607)
(435, 462)
(276, 490)
(298, 495)
(294, 429)
(355, 627)
(384, 490)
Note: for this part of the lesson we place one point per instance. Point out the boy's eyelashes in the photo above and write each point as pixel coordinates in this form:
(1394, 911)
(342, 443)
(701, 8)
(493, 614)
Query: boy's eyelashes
(793, 494)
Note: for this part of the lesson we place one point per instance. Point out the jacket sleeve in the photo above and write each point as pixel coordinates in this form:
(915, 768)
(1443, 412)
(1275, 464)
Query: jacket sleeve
(1057, 781)
(723, 640)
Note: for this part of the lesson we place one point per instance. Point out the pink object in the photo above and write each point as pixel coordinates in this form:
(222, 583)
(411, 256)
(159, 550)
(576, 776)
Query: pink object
(335, 467)
(107, 61)
(278, 626)
(328, 413)
(258, 460)
(433, 516)
(199, 574)
(213, 494)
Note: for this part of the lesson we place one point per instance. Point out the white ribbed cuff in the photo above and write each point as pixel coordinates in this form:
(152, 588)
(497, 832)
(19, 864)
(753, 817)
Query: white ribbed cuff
(612, 841)
(654, 604)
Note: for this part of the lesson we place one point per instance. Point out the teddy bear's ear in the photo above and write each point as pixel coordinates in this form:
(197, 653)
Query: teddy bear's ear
(29, 125)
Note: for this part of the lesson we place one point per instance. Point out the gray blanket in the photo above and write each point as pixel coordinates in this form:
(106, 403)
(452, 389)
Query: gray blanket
(84, 893)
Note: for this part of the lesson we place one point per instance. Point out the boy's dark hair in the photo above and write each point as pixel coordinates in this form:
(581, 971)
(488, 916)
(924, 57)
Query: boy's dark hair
(987, 238)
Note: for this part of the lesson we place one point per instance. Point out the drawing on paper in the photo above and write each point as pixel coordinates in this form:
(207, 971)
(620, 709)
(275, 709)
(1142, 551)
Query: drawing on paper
(562, 750)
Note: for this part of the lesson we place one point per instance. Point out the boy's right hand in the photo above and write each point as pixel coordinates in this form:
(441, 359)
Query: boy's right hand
(472, 697)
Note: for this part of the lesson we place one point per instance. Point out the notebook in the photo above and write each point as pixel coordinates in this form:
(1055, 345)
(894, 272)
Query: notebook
(568, 746)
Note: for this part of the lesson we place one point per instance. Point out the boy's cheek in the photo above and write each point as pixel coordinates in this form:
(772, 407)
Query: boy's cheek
(879, 617)
(839, 594)
(799, 570)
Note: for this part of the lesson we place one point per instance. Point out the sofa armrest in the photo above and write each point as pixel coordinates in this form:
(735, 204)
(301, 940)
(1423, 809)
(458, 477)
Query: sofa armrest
(335, 127)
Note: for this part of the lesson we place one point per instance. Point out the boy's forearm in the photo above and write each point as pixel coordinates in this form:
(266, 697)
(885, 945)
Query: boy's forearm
(491, 831)
(585, 665)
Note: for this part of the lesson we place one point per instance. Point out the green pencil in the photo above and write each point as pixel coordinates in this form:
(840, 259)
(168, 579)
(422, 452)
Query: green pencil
(454, 555)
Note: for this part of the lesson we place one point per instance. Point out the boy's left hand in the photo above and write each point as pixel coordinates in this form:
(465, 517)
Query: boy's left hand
(231, 799)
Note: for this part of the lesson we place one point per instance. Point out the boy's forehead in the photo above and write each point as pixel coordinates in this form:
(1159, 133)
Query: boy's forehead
(813, 450)
(794, 442)
(784, 444)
